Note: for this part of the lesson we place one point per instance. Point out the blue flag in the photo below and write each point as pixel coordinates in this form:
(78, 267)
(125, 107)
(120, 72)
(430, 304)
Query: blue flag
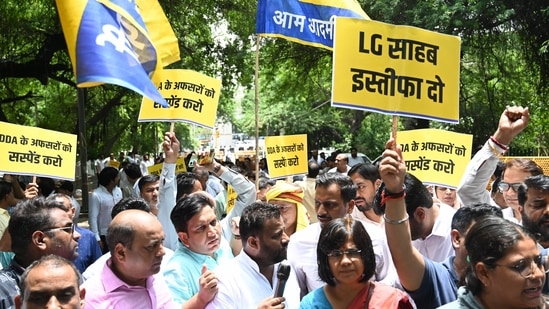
(309, 22)
(109, 43)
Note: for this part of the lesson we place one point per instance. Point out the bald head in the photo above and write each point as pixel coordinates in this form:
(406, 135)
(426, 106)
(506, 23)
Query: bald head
(125, 225)
(135, 241)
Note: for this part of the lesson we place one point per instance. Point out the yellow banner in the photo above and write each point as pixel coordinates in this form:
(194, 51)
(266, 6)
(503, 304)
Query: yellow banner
(37, 152)
(434, 156)
(399, 70)
(231, 198)
(192, 96)
(114, 163)
(180, 167)
(286, 155)
(160, 30)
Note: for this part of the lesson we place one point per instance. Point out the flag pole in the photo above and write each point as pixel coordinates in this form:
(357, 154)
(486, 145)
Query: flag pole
(256, 99)
(82, 98)
(394, 127)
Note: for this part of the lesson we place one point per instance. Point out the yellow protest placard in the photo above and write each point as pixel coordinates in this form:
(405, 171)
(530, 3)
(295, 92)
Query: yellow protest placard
(434, 156)
(37, 152)
(231, 198)
(180, 167)
(192, 96)
(398, 70)
(114, 163)
(286, 155)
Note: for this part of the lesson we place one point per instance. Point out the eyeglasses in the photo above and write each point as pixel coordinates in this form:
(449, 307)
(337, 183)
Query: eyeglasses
(350, 253)
(505, 186)
(526, 267)
(68, 229)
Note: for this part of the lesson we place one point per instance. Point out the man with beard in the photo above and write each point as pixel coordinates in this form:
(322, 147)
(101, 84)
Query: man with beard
(248, 280)
(366, 179)
(471, 189)
(430, 284)
(38, 227)
(334, 198)
(149, 187)
(430, 223)
(533, 197)
(201, 249)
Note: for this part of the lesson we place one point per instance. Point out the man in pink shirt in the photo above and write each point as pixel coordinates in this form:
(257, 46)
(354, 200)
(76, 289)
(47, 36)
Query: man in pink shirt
(128, 279)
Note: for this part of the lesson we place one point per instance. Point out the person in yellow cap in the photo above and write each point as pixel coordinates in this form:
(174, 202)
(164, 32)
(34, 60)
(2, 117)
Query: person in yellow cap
(289, 199)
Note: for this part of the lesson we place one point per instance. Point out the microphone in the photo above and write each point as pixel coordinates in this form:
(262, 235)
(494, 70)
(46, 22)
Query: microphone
(282, 275)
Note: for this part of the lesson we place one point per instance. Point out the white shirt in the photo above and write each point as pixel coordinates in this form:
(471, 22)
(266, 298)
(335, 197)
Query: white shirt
(302, 257)
(355, 161)
(101, 204)
(241, 285)
(166, 202)
(334, 170)
(438, 245)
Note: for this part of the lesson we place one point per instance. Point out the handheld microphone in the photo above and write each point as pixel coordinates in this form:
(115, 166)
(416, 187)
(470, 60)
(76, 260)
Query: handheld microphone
(282, 274)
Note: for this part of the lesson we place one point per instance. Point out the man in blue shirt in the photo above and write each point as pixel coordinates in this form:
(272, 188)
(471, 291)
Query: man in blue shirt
(430, 284)
(201, 248)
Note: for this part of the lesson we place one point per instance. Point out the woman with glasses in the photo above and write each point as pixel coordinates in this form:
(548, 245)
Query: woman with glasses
(346, 262)
(506, 269)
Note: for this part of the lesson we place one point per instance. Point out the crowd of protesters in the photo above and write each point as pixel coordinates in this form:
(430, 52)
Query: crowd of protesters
(352, 234)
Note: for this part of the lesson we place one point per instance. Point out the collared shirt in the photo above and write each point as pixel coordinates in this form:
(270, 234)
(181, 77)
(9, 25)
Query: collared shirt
(97, 266)
(303, 259)
(101, 204)
(88, 249)
(438, 245)
(241, 285)
(334, 170)
(108, 291)
(9, 284)
(184, 269)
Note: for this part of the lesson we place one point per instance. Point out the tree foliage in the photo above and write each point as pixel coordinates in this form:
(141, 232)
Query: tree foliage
(504, 61)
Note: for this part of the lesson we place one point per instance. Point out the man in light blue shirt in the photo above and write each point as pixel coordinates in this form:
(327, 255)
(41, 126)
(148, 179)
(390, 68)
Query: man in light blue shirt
(201, 248)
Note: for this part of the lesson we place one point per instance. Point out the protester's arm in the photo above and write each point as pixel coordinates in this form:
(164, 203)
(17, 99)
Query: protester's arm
(168, 188)
(472, 187)
(93, 214)
(242, 186)
(409, 263)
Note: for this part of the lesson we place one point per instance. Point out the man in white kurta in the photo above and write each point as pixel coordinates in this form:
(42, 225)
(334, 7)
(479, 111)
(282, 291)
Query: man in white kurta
(249, 280)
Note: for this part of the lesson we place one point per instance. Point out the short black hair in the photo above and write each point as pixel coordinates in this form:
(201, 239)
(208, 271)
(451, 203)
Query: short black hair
(468, 214)
(29, 216)
(130, 203)
(133, 170)
(344, 182)
(333, 236)
(146, 180)
(366, 171)
(185, 183)
(417, 195)
(186, 208)
(253, 217)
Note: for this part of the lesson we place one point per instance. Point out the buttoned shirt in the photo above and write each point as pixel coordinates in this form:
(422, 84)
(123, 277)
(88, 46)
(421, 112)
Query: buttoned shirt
(9, 284)
(106, 290)
(184, 269)
(437, 246)
(101, 204)
(241, 285)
